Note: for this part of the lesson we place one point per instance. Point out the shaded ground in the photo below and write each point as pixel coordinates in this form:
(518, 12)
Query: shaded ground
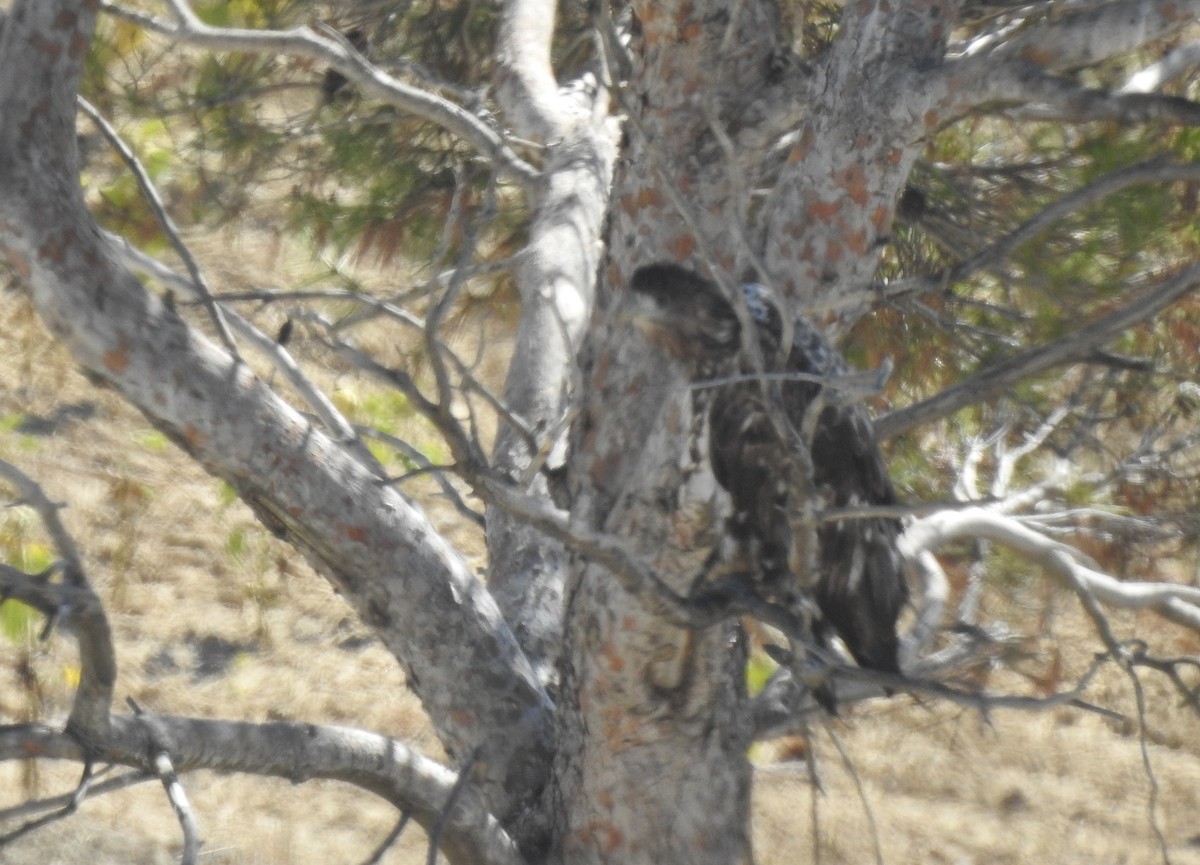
(214, 618)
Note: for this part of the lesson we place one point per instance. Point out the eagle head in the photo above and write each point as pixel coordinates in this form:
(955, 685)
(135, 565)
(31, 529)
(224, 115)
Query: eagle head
(683, 314)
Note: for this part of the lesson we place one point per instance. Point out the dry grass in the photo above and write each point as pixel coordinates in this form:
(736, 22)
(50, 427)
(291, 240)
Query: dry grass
(258, 636)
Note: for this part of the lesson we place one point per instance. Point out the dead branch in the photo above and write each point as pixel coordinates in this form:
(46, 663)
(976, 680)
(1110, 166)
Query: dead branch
(995, 379)
(165, 744)
(139, 262)
(1179, 604)
(189, 30)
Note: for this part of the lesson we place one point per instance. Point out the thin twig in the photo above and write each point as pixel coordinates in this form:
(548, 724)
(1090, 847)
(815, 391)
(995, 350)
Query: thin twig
(160, 759)
(97, 788)
(460, 784)
(70, 806)
(391, 839)
(155, 202)
(858, 786)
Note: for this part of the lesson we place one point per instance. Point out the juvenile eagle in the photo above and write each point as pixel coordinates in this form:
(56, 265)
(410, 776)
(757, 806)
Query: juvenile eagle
(860, 588)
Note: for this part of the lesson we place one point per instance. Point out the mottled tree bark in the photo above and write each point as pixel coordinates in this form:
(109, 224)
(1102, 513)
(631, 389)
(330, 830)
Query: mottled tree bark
(379, 549)
(738, 160)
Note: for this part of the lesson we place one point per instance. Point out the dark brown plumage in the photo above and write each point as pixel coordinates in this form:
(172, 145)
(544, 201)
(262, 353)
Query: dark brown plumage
(860, 589)
(698, 327)
(334, 83)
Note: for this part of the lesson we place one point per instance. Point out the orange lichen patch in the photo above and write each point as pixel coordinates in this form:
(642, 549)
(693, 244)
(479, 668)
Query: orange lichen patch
(354, 533)
(932, 119)
(857, 241)
(801, 149)
(853, 179)
(894, 156)
(117, 359)
(1171, 12)
(612, 657)
(690, 31)
(1037, 55)
(64, 20)
(16, 261)
(612, 840)
(862, 141)
(824, 210)
(45, 46)
(682, 246)
(833, 252)
(881, 217)
(604, 835)
(649, 197)
(193, 436)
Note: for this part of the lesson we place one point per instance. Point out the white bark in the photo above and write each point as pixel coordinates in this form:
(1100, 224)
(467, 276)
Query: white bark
(556, 278)
(376, 546)
(1179, 604)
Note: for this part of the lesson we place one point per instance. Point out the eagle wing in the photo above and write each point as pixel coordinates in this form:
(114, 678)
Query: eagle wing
(861, 587)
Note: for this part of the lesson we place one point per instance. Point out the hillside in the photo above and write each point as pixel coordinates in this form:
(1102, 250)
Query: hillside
(214, 618)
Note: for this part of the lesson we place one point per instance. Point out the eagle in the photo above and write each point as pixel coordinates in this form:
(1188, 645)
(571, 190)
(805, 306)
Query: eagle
(860, 588)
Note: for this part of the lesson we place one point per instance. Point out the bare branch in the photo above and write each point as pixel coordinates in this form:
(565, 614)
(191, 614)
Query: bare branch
(154, 200)
(189, 30)
(160, 760)
(1019, 90)
(70, 804)
(391, 839)
(1180, 604)
(1096, 32)
(556, 278)
(994, 380)
(1156, 170)
(36, 737)
(74, 601)
(1176, 63)
(326, 411)
(525, 79)
(297, 752)
(378, 547)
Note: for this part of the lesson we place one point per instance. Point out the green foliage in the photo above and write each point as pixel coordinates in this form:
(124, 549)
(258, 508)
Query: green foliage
(235, 544)
(759, 670)
(18, 622)
(152, 440)
(22, 548)
(244, 13)
(226, 494)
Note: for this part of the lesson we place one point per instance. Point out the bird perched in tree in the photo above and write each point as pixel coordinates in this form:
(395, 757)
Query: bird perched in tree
(333, 85)
(860, 588)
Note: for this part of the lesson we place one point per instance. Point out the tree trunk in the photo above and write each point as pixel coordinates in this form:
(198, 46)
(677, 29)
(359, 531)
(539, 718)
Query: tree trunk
(652, 760)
